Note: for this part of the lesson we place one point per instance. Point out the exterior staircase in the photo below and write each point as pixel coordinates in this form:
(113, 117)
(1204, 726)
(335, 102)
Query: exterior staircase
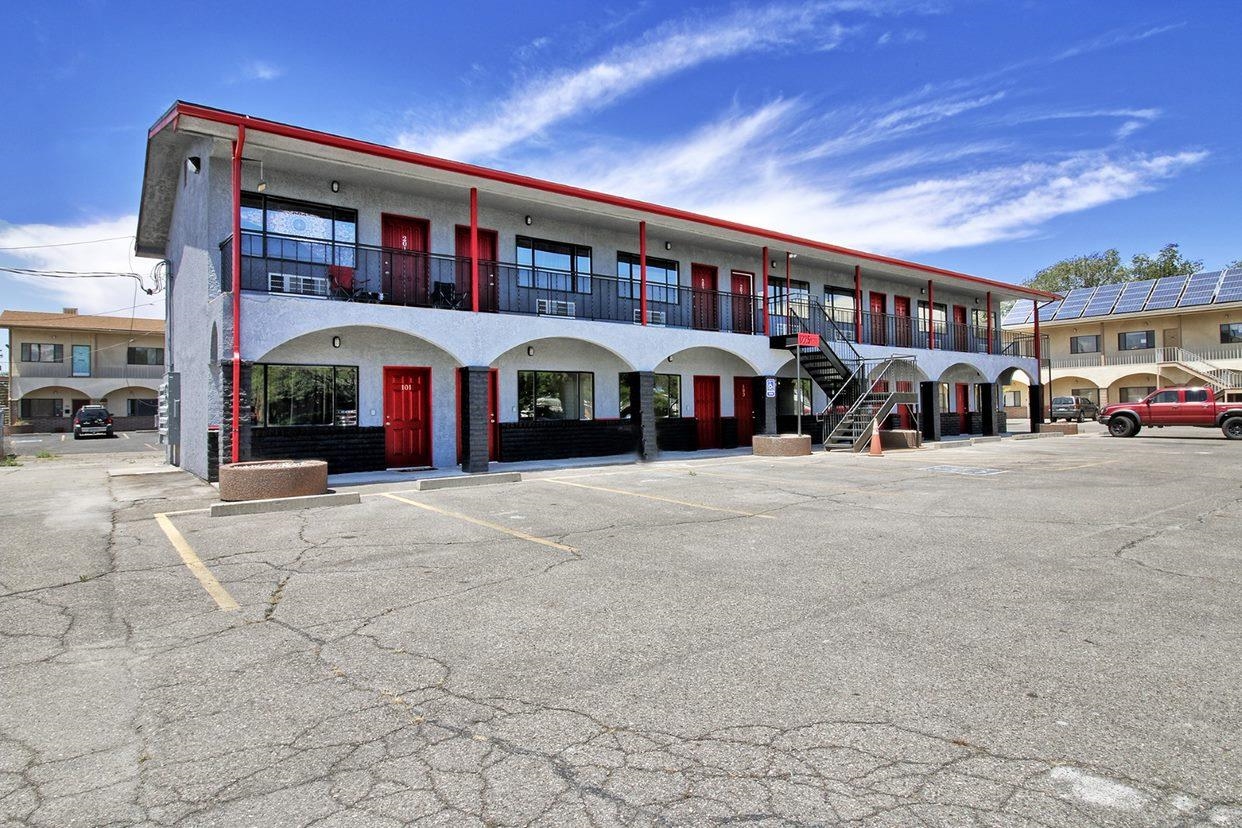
(1200, 368)
(861, 392)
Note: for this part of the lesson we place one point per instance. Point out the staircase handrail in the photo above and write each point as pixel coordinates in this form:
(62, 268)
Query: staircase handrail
(828, 323)
(884, 365)
(1226, 376)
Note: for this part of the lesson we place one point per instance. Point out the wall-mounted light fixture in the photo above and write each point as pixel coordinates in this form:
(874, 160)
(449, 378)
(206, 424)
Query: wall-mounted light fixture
(193, 164)
(774, 263)
(336, 186)
(530, 350)
(336, 342)
(529, 221)
(976, 300)
(262, 180)
(923, 291)
(670, 357)
(668, 245)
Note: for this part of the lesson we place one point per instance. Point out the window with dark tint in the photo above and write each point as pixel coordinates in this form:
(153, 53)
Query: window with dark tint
(1136, 340)
(556, 395)
(146, 356)
(1085, 344)
(35, 407)
(1198, 395)
(36, 352)
(661, 278)
(553, 265)
(141, 408)
(792, 395)
(1135, 393)
(1230, 332)
(1165, 397)
(667, 391)
(297, 395)
(298, 230)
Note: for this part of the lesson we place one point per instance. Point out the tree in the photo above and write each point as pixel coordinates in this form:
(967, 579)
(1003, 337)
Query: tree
(1168, 262)
(1235, 263)
(1091, 270)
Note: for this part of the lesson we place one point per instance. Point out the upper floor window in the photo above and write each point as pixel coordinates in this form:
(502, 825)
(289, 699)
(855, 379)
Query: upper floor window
(979, 318)
(662, 278)
(36, 352)
(1085, 344)
(939, 313)
(553, 265)
(146, 356)
(1136, 340)
(839, 304)
(1230, 332)
(299, 231)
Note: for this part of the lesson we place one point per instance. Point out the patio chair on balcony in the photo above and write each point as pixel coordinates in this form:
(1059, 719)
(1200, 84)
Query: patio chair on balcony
(344, 285)
(446, 295)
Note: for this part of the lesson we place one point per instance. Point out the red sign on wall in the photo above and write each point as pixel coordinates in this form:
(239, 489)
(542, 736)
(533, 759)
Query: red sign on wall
(811, 339)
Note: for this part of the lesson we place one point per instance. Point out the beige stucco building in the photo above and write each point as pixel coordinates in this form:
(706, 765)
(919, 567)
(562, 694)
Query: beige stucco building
(59, 362)
(1116, 343)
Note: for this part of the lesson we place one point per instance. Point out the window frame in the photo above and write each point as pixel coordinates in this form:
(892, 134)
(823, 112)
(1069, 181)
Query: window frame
(840, 314)
(23, 408)
(343, 251)
(1076, 347)
(628, 285)
(264, 421)
(1148, 390)
(1149, 337)
(528, 273)
(26, 349)
(583, 404)
(132, 349)
(129, 406)
(624, 391)
(1091, 394)
(1230, 333)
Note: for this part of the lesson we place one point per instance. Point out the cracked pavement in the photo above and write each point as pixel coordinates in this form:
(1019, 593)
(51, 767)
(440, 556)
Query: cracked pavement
(1057, 644)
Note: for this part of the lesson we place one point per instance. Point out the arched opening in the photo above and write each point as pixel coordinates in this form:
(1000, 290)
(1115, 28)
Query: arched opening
(1015, 391)
(1133, 387)
(49, 409)
(132, 406)
(1072, 386)
(721, 400)
(967, 401)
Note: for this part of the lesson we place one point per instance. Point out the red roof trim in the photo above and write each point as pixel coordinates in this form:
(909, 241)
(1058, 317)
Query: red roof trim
(394, 154)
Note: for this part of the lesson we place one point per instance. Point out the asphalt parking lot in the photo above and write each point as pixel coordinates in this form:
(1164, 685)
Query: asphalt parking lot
(1041, 632)
(30, 445)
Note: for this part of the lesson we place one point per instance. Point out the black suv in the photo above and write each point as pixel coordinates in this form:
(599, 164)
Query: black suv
(1073, 408)
(92, 419)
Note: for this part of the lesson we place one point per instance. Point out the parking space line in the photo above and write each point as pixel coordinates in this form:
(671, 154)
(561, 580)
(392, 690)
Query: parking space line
(62, 438)
(193, 563)
(658, 498)
(123, 434)
(487, 524)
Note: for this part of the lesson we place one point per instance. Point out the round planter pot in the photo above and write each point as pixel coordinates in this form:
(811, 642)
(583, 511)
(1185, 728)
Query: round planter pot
(264, 479)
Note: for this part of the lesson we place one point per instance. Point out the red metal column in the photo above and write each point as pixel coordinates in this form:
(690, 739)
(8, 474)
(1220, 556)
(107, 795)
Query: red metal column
(642, 271)
(763, 268)
(474, 249)
(788, 296)
(238, 146)
(931, 316)
(858, 305)
(989, 321)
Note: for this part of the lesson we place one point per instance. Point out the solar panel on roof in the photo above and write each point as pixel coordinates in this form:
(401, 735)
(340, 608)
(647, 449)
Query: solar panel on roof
(1134, 297)
(1075, 302)
(1102, 302)
(1230, 287)
(1019, 314)
(1047, 312)
(1200, 289)
(1166, 293)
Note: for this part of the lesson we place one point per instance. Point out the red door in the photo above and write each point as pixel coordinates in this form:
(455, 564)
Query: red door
(489, 279)
(744, 408)
(879, 309)
(743, 303)
(959, 328)
(407, 416)
(703, 287)
(707, 410)
(493, 413)
(963, 406)
(405, 242)
(902, 322)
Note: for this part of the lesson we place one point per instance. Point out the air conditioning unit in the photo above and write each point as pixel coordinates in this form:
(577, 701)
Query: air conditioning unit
(297, 284)
(654, 317)
(554, 307)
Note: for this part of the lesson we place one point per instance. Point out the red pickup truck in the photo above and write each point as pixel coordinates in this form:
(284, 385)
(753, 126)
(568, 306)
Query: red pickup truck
(1201, 407)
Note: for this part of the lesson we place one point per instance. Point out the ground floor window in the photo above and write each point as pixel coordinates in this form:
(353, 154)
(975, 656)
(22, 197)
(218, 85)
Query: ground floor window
(1135, 393)
(296, 395)
(792, 395)
(141, 408)
(556, 395)
(1092, 394)
(1013, 399)
(667, 392)
(1230, 332)
(39, 407)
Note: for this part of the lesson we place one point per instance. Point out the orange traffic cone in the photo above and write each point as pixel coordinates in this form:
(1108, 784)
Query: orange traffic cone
(877, 450)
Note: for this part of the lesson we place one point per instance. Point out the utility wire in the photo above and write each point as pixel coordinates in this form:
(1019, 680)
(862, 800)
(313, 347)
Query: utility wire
(66, 244)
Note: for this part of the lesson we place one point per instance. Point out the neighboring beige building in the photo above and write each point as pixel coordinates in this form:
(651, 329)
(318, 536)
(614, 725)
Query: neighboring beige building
(59, 362)
(1117, 343)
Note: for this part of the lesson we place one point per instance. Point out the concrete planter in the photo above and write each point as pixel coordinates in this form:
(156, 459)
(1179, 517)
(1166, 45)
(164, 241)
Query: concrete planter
(781, 445)
(263, 479)
(1064, 428)
(900, 439)
(23, 428)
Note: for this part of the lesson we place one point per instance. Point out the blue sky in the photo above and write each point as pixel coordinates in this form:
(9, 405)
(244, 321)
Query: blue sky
(992, 138)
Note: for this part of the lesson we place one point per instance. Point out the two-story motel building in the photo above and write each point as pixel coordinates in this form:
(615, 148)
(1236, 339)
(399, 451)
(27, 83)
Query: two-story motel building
(380, 308)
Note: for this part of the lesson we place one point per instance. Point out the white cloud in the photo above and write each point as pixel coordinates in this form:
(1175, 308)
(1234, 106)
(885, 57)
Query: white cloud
(261, 70)
(892, 38)
(92, 295)
(674, 47)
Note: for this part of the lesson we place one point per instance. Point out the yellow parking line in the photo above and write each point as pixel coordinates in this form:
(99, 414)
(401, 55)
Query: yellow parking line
(657, 497)
(192, 562)
(496, 526)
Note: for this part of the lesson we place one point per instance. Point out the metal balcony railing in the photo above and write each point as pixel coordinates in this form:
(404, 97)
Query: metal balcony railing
(64, 370)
